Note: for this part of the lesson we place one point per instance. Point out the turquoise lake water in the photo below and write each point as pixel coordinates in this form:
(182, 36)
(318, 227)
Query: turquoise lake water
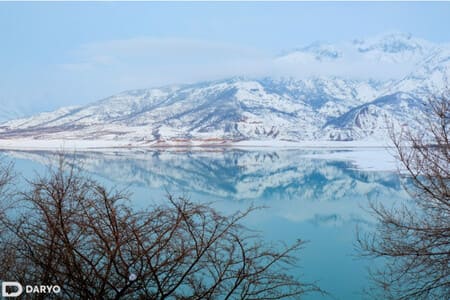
(322, 201)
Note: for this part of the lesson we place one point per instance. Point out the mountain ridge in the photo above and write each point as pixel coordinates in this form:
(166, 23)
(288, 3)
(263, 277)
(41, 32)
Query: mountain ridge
(268, 108)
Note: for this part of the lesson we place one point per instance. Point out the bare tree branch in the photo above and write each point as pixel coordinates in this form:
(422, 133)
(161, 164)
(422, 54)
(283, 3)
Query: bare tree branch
(69, 230)
(414, 238)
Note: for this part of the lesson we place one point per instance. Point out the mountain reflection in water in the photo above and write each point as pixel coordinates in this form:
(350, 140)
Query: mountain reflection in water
(319, 200)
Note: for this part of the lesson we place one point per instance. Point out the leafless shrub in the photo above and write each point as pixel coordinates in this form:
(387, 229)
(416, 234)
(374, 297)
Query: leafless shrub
(414, 238)
(6, 179)
(71, 231)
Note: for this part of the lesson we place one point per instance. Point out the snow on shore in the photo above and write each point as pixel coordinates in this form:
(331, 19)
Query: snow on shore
(81, 144)
(365, 155)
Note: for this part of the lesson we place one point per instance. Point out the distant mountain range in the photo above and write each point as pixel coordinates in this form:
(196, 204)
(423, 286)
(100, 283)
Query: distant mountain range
(335, 107)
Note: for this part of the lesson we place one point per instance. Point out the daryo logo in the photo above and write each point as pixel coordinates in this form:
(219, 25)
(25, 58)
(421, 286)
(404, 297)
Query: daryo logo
(15, 289)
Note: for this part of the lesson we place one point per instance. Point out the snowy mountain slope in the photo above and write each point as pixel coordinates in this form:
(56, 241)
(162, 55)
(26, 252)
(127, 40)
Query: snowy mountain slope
(315, 107)
(373, 118)
(431, 76)
(230, 109)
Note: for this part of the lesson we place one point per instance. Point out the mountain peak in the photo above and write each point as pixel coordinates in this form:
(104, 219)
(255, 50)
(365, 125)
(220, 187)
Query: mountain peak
(388, 43)
(320, 105)
(392, 43)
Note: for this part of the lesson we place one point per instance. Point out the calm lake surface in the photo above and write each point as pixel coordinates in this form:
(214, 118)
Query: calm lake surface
(318, 199)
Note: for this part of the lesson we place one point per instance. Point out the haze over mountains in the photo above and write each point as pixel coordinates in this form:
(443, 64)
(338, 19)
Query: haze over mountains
(342, 92)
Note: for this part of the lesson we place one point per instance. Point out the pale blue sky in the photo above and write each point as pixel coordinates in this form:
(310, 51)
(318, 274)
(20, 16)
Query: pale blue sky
(63, 53)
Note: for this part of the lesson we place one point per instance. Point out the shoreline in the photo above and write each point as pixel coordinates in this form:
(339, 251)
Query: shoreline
(90, 145)
(364, 155)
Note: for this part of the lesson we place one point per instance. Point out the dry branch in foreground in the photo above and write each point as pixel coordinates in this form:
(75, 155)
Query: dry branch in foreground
(414, 238)
(69, 230)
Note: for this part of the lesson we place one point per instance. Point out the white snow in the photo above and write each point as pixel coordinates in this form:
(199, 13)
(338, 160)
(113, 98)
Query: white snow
(370, 159)
(367, 155)
(279, 112)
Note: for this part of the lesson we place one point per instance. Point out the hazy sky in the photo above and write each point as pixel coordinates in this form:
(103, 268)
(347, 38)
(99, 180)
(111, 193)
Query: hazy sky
(61, 53)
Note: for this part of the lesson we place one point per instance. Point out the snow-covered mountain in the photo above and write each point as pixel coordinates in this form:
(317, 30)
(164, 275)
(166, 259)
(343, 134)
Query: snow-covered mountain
(392, 47)
(331, 107)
